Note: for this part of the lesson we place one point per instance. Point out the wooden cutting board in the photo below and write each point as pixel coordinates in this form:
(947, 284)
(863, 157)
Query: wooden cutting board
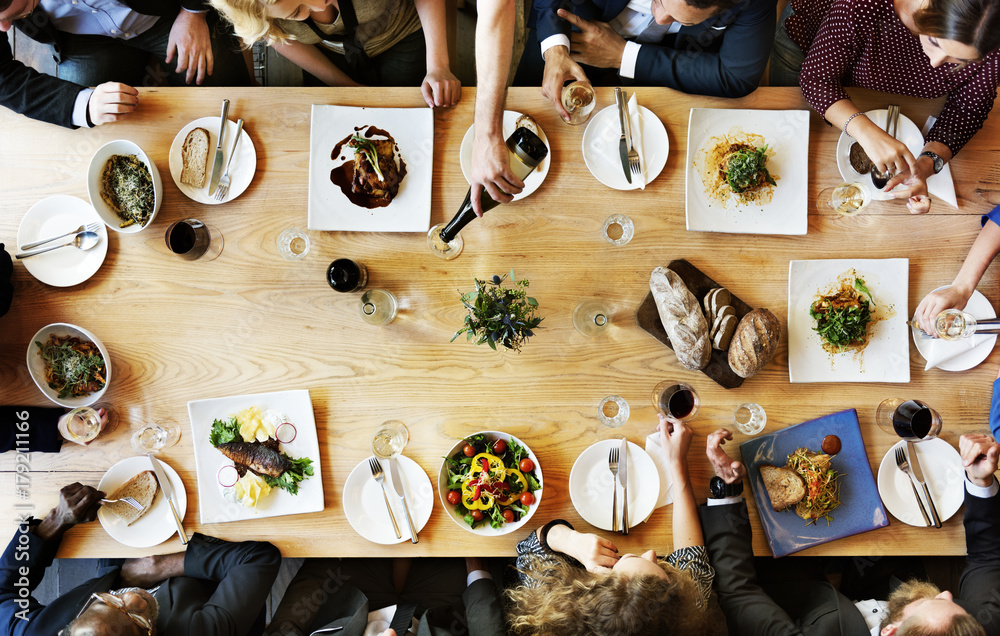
(649, 319)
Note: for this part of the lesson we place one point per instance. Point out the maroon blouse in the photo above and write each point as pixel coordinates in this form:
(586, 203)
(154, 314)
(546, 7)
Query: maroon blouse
(864, 43)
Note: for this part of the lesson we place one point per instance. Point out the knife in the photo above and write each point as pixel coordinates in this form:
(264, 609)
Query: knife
(623, 142)
(397, 484)
(168, 491)
(217, 166)
(623, 479)
(918, 474)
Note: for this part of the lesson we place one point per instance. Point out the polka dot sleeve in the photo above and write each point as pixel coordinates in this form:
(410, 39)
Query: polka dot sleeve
(830, 58)
(967, 106)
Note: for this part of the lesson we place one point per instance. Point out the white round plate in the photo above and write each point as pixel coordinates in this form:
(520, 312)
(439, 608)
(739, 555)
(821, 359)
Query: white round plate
(241, 172)
(536, 176)
(486, 529)
(908, 133)
(943, 472)
(36, 366)
(600, 148)
(66, 266)
(96, 171)
(157, 525)
(980, 307)
(365, 506)
(591, 485)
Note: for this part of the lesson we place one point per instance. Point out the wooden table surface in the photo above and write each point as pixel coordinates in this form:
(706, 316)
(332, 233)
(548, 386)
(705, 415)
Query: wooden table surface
(252, 322)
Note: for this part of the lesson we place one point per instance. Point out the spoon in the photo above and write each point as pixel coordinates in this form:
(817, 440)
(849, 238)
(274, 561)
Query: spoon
(880, 179)
(83, 241)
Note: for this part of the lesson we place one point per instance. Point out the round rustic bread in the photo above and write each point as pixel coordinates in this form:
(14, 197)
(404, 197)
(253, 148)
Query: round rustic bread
(754, 343)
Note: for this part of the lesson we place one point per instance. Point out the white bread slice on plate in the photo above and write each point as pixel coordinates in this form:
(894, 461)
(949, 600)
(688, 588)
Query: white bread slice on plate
(142, 488)
(194, 154)
(784, 486)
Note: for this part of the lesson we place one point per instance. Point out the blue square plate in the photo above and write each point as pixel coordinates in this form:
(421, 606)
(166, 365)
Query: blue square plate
(860, 507)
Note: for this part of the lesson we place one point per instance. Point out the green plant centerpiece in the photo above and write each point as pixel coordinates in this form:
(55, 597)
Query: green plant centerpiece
(499, 315)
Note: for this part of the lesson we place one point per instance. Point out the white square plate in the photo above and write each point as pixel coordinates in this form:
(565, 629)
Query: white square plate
(787, 133)
(213, 507)
(410, 210)
(885, 359)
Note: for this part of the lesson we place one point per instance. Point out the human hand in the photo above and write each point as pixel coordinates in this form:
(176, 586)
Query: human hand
(730, 470)
(191, 41)
(675, 438)
(953, 297)
(979, 453)
(441, 88)
(388, 632)
(559, 68)
(491, 170)
(110, 102)
(597, 44)
(77, 504)
(915, 192)
(592, 551)
(888, 154)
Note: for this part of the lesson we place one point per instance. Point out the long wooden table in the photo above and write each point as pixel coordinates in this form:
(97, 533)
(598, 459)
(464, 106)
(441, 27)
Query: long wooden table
(252, 322)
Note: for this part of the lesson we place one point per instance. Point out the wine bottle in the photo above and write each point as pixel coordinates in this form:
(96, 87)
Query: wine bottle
(525, 151)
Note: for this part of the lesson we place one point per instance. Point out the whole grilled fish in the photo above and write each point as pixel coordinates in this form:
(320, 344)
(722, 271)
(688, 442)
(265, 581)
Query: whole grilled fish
(260, 458)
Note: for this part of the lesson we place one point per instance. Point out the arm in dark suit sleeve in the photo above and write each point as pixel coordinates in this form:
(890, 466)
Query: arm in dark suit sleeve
(482, 609)
(21, 568)
(244, 572)
(745, 604)
(547, 22)
(734, 71)
(36, 95)
(36, 425)
(979, 588)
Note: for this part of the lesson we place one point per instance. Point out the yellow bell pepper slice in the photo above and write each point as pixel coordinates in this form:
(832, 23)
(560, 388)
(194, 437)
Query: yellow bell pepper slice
(519, 477)
(495, 463)
(476, 504)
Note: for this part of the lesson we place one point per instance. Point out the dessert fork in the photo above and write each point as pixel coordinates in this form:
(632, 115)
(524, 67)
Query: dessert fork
(613, 467)
(223, 188)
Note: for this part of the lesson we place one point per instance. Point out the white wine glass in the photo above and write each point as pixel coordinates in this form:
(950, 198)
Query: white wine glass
(389, 439)
(83, 424)
(155, 436)
(846, 199)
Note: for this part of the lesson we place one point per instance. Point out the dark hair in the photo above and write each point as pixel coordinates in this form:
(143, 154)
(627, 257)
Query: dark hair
(4, 4)
(722, 5)
(974, 23)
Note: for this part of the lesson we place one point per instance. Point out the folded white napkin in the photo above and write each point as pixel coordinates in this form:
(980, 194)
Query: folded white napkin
(655, 450)
(940, 185)
(636, 121)
(940, 351)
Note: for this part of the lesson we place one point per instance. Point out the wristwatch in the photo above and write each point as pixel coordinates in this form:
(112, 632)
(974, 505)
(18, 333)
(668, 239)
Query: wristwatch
(936, 158)
(721, 490)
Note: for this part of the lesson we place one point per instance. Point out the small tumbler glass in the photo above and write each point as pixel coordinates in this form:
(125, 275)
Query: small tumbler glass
(750, 418)
(618, 229)
(613, 411)
(293, 244)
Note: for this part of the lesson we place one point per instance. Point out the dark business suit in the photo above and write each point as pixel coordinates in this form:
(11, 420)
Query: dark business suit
(223, 590)
(6, 288)
(979, 587)
(723, 56)
(805, 606)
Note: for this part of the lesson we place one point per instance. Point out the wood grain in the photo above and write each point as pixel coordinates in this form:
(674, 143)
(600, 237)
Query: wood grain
(251, 322)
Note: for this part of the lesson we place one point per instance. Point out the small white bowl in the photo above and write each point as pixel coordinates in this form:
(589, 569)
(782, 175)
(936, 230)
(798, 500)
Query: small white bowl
(109, 216)
(36, 366)
(487, 529)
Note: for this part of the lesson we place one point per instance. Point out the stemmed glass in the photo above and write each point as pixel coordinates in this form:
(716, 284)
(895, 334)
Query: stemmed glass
(83, 424)
(389, 439)
(676, 399)
(440, 248)
(591, 317)
(846, 199)
(911, 420)
(155, 436)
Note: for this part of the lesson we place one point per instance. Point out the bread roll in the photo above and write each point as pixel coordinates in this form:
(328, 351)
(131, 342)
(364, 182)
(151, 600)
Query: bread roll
(682, 318)
(142, 488)
(754, 343)
(194, 154)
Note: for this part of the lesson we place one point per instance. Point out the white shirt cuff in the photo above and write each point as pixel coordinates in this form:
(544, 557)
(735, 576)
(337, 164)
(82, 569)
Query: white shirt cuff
(725, 502)
(979, 491)
(475, 575)
(80, 108)
(195, 11)
(629, 57)
(554, 40)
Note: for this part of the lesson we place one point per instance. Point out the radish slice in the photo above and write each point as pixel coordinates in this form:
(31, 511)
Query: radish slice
(285, 433)
(228, 476)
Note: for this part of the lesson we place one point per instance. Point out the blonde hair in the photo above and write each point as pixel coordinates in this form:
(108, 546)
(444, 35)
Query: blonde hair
(566, 599)
(251, 21)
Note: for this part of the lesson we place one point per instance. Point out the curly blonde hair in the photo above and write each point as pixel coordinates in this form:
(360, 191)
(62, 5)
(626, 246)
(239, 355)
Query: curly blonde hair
(566, 599)
(250, 20)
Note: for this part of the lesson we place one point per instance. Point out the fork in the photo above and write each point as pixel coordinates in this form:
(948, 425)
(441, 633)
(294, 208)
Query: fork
(613, 467)
(90, 227)
(379, 476)
(633, 154)
(222, 189)
(904, 466)
(125, 500)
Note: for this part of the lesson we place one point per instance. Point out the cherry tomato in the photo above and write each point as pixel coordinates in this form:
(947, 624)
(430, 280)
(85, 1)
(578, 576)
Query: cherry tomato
(477, 515)
(454, 497)
(526, 465)
(527, 498)
(508, 515)
(499, 447)
(468, 450)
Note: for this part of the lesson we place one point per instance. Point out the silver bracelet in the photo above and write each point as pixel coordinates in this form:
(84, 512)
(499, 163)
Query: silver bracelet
(849, 121)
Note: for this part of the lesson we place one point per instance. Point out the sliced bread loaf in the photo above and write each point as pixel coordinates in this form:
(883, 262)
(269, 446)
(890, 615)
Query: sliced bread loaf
(142, 488)
(784, 486)
(194, 154)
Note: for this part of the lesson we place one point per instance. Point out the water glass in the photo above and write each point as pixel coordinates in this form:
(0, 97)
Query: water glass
(389, 439)
(293, 244)
(613, 411)
(618, 229)
(579, 100)
(750, 418)
(154, 437)
(441, 249)
(591, 317)
(378, 307)
(676, 400)
(912, 420)
(193, 240)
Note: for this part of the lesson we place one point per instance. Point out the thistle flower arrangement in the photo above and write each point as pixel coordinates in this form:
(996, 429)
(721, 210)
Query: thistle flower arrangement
(499, 315)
